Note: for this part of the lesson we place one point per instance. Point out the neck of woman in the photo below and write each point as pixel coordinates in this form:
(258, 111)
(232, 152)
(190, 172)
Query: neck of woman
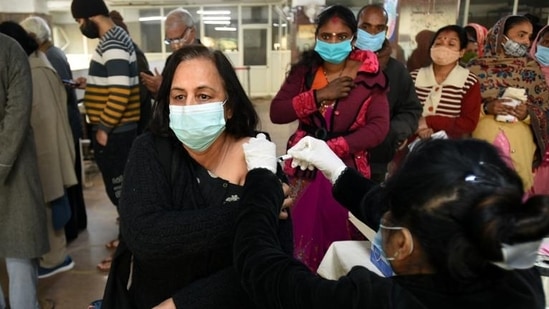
(333, 71)
(214, 156)
(442, 71)
(331, 68)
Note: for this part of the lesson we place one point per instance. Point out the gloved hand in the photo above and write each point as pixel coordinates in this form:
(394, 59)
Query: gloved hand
(310, 152)
(260, 153)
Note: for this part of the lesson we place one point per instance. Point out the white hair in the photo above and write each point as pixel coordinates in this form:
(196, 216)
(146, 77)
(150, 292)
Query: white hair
(38, 26)
(181, 16)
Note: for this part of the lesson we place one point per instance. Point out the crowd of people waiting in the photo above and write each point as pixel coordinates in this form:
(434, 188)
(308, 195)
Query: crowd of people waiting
(447, 159)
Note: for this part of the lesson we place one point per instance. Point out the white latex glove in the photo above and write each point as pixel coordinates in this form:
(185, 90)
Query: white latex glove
(260, 153)
(310, 152)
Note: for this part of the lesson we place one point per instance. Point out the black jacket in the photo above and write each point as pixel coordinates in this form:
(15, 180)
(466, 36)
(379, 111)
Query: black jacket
(275, 280)
(404, 112)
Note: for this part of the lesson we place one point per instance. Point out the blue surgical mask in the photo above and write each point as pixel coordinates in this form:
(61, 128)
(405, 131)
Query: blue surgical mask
(379, 257)
(514, 49)
(542, 55)
(334, 53)
(198, 126)
(371, 42)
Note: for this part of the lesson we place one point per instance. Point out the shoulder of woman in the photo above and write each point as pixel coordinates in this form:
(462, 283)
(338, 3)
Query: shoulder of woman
(368, 60)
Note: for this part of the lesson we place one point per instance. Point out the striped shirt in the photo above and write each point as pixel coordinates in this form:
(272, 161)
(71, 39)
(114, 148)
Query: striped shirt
(112, 91)
(453, 105)
(442, 99)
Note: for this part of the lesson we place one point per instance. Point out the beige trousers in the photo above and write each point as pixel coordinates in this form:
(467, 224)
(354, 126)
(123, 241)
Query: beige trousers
(58, 244)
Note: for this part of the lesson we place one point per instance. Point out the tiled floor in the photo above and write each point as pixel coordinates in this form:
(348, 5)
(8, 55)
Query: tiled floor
(75, 289)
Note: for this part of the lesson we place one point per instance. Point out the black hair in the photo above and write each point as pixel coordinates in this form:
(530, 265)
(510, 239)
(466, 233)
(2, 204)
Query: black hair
(18, 33)
(511, 21)
(471, 33)
(311, 57)
(462, 35)
(462, 202)
(537, 25)
(374, 5)
(542, 33)
(244, 118)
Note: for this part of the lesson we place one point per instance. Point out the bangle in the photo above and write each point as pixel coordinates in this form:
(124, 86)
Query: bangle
(485, 108)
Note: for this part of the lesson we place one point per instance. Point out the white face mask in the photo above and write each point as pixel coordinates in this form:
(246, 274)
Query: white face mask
(519, 256)
(198, 126)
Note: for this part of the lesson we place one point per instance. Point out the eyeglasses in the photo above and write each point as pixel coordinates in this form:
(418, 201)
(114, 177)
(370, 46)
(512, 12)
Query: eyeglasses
(179, 40)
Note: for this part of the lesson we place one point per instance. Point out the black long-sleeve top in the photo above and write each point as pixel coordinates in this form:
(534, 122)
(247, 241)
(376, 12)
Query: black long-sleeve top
(275, 280)
(180, 233)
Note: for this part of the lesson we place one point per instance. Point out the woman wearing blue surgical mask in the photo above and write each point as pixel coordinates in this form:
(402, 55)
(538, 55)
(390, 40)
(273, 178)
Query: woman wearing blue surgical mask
(182, 187)
(540, 52)
(454, 229)
(515, 97)
(339, 95)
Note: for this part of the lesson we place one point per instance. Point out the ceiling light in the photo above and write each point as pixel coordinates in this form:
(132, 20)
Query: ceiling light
(225, 28)
(216, 17)
(202, 12)
(217, 22)
(152, 18)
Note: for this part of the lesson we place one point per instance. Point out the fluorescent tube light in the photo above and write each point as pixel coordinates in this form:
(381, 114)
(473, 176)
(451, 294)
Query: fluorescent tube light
(202, 12)
(217, 22)
(225, 28)
(216, 17)
(152, 18)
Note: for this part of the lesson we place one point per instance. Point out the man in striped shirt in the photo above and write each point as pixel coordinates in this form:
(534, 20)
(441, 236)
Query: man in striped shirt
(111, 91)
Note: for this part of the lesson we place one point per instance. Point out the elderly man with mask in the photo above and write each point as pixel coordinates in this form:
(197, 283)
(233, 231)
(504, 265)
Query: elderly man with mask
(179, 31)
(404, 106)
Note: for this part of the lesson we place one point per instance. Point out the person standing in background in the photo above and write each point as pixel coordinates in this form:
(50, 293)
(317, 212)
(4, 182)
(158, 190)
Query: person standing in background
(404, 106)
(449, 93)
(524, 137)
(476, 35)
(54, 148)
(23, 231)
(420, 56)
(143, 67)
(339, 95)
(540, 52)
(179, 31)
(111, 95)
(39, 29)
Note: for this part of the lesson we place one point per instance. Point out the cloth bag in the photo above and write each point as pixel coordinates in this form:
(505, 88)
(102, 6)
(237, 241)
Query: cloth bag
(61, 212)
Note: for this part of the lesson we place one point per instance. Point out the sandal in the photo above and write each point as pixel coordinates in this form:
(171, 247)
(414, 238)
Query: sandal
(112, 244)
(105, 265)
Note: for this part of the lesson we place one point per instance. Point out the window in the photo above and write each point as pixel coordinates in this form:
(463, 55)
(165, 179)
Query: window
(255, 14)
(220, 27)
(255, 46)
(150, 30)
(280, 29)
